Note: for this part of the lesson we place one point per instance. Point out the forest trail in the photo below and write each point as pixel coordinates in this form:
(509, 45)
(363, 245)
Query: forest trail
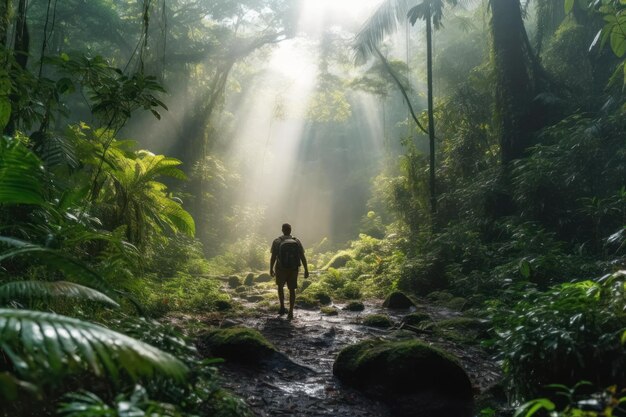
(302, 383)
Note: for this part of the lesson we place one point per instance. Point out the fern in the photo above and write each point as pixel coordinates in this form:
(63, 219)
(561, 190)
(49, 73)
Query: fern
(35, 341)
(36, 290)
(21, 174)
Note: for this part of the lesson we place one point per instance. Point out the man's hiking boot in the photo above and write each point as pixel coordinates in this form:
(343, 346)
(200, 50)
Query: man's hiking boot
(282, 311)
(290, 316)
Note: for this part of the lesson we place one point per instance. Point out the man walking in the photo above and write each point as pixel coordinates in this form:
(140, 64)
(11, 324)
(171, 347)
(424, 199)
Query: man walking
(287, 255)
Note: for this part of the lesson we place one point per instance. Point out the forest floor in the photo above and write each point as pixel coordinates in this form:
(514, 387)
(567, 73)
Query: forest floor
(301, 382)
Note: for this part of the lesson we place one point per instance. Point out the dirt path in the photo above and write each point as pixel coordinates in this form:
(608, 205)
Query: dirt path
(304, 384)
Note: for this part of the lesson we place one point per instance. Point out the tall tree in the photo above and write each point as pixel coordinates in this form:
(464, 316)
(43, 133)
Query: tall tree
(384, 21)
(514, 74)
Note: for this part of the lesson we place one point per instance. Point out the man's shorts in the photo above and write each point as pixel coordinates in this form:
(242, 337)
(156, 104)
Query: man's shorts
(289, 276)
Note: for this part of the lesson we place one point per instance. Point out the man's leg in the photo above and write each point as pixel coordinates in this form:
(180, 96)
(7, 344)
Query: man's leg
(292, 301)
(281, 298)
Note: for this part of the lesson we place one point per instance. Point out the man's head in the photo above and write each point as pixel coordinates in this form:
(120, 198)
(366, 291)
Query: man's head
(286, 229)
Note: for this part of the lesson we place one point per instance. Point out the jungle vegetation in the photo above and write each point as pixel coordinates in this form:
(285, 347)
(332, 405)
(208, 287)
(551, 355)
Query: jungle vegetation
(470, 154)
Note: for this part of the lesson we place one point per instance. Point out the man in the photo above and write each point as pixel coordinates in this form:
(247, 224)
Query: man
(287, 255)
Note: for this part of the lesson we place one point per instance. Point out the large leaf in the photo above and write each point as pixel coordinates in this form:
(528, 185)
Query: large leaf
(21, 174)
(70, 267)
(38, 341)
(37, 290)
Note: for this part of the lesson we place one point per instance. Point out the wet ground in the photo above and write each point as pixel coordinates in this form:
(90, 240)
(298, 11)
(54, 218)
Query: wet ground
(301, 382)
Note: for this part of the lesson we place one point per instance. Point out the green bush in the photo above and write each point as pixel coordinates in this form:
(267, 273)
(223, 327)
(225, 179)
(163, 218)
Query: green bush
(568, 334)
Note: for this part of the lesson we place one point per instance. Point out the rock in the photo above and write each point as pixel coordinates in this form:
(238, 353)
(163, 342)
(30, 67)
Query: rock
(354, 306)
(223, 305)
(329, 311)
(234, 281)
(307, 302)
(377, 320)
(249, 280)
(398, 300)
(241, 289)
(236, 344)
(305, 284)
(264, 277)
(339, 261)
(413, 378)
(416, 318)
(461, 329)
(254, 298)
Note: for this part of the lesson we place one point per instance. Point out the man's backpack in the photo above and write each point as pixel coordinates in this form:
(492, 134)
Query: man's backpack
(289, 252)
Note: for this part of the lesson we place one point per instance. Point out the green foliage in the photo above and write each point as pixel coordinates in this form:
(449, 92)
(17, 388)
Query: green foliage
(567, 334)
(41, 345)
(28, 291)
(21, 174)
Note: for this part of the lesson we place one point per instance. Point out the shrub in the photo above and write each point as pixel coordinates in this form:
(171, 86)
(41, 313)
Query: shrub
(565, 335)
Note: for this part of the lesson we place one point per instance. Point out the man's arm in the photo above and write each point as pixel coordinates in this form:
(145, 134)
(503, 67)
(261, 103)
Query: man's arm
(272, 262)
(304, 263)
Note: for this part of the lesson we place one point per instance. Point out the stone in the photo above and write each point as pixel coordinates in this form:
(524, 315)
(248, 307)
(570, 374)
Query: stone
(236, 344)
(398, 300)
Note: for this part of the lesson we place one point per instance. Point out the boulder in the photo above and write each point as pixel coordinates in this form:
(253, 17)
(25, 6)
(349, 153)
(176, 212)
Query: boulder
(264, 277)
(236, 344)
(354, 306)
(234, 281)
(398, 300)
(249, 280)
(241, 289)
(378, 320)
(414, 319)
(329, 311)
(413, 378)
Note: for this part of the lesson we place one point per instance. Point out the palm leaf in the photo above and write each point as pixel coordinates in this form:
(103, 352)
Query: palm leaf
(178, 217)
(36, 290)
(34, 340)
(57, 151)
(69, 266)
(21, 174)
(383, 22)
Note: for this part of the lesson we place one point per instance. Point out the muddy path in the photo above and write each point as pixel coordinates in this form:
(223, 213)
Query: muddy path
(302, 382)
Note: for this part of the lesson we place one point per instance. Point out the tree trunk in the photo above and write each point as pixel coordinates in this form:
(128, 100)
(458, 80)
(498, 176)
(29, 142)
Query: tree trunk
(5, 12)
(431, 117)
(514, 89)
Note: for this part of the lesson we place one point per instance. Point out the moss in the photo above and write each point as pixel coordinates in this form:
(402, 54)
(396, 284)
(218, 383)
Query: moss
(352, 290)
(398, 300)
(391, 370)
(234, 281)
(461, 329)
(241, 289)
(416, 318)
(307, 301)
(339, 261)
(249, 280)
(329, 311)
(456, 303)
(237, 344)
(354, 306)
(264, 277)
(377, 320)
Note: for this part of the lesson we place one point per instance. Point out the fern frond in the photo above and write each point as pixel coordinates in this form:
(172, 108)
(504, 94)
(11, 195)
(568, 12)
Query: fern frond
(70, 267)
(34, 340)
(21, 174)
(45, 290)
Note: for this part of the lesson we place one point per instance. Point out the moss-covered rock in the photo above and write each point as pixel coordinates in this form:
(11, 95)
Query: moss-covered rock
(255, 298)
(398, 300)
(329, 311)
(249, 280)
(354, 306)
(339, 261)
(305, 284)
(456, 303)
(461, 329)
(377, 320)
(234, 281)
(414, 319)
(307, 302)
(322, 297)
(264, 277)
(237, 344)
(223, 305)
(415, 379)
(241, 289)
